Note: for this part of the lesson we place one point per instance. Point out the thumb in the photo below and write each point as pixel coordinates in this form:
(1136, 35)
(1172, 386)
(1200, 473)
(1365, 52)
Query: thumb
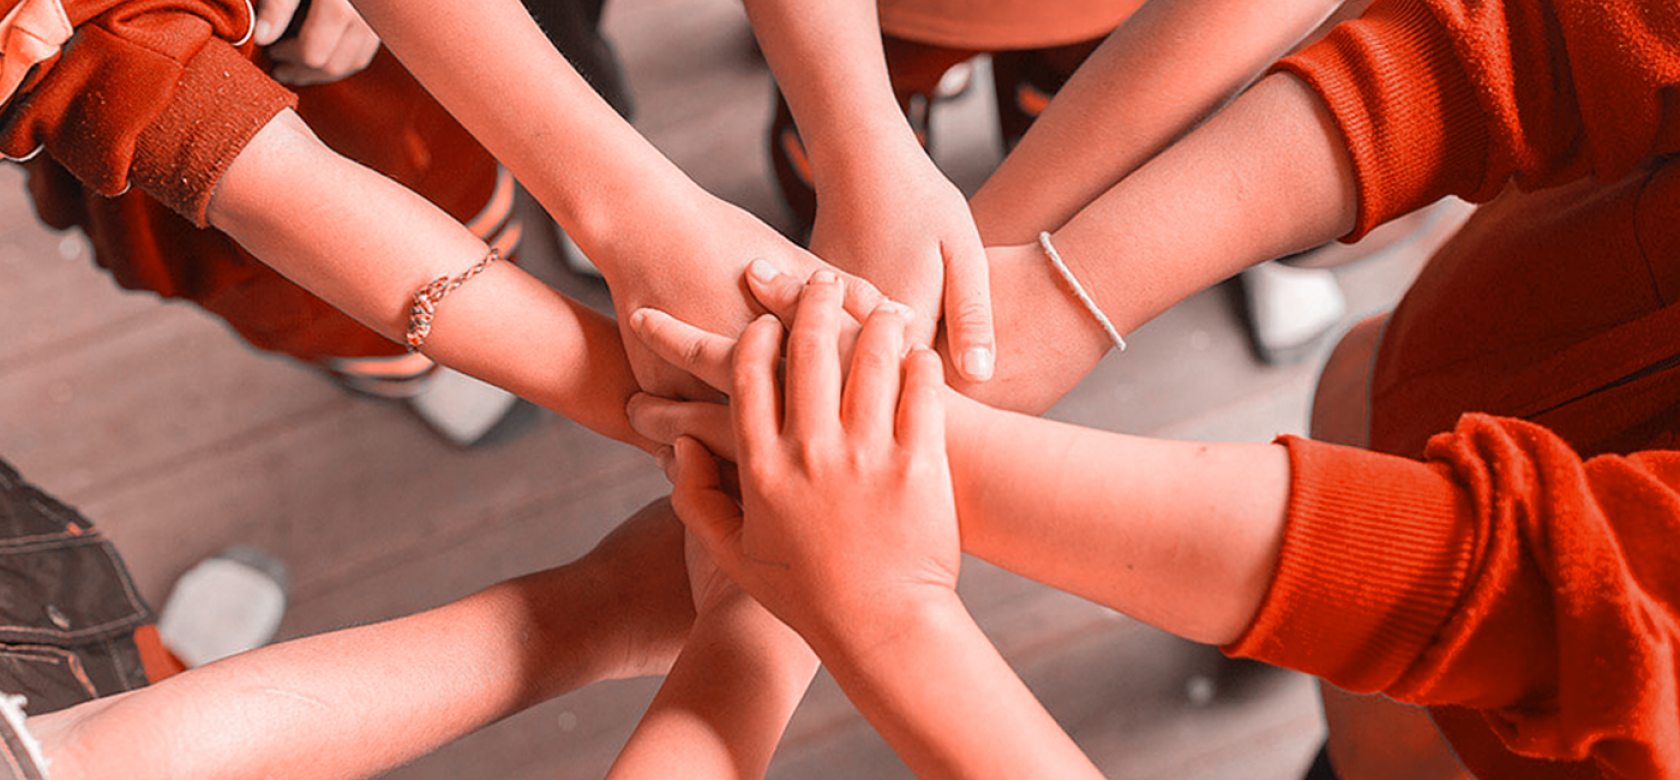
(273, 17)
(968, 310)
(704, 509)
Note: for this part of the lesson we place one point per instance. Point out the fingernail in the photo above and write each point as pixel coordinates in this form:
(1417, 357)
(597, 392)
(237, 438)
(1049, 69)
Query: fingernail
(763, 270)
(824, 276)
(904, 312)
(263, 28)
(665, 456)
(638, 318)
(977, 363)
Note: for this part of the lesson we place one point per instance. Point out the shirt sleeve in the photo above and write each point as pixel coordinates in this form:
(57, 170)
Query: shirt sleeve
(1462, 97)
(149, 93)
(1501, 574)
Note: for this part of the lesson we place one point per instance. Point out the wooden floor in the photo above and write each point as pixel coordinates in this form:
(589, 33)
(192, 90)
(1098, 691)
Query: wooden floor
(176, 438)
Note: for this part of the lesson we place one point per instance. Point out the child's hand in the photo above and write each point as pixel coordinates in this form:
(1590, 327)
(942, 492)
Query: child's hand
(848, 511)
(905, 227)
(332, 43)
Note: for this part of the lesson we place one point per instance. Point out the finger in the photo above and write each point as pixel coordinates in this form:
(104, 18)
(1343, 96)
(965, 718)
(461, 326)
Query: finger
(663, 420)
(700, 503)
(273, 17)
(753, 395)
(871, 393)
(812, 406)
(861, 296)
(778, 292)
(921, 410)
(968, 310)
(699, 352)
(322, 30)
(355, 50)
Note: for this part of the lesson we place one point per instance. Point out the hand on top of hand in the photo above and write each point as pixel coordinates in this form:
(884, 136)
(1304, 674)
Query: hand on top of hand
(846, 512)
(906, 228)
(332, 43)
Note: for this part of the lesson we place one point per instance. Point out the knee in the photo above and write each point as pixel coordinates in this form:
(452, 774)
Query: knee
(1342, 402)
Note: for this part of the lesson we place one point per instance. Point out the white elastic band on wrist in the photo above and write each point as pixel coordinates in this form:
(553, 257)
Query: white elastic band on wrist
(1079, 290)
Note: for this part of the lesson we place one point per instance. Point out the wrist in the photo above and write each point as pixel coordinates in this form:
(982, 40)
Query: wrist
(864, 639)
(864, 153)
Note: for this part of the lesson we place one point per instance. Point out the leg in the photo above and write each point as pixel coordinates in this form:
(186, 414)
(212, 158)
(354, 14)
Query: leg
(1370, 736)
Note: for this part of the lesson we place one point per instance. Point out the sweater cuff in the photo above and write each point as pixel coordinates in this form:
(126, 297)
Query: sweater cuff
(1405, 108)
(1373, 559)
(222, 101)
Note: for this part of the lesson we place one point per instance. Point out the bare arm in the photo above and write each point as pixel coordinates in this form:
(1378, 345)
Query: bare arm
(884, 210)
(365, 244)
(1171, 65)
(361, 701)
(1267, 176)
(728, 698)
(656, 235)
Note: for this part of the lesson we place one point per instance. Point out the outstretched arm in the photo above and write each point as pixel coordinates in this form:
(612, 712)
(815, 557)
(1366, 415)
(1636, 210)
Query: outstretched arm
(884, 210)
(728, 698)
(365, 244)
(1170, 66)
(364, 700)
(657, 236)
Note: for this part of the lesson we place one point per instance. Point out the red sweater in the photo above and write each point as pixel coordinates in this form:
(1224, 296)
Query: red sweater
(1530, 596)
(146, 92)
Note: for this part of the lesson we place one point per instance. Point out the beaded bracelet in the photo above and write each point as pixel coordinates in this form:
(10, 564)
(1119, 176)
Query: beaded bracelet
(1079, 290)
(426, 299)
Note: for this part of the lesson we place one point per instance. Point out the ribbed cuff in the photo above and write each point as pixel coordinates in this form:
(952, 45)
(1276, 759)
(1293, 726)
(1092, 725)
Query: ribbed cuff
(1373, 558)
(1405, 107)
(222, 101)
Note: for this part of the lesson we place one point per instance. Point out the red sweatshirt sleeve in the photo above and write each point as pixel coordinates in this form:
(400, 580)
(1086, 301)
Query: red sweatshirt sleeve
(1503, 575)
(150, 93)
(1461, 97)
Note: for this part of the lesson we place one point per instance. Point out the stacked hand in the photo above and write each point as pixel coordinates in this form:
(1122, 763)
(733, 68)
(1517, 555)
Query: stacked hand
(898, 222)
(846, 513)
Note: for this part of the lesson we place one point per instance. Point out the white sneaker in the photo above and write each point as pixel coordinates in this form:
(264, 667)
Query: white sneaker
(576, 260)
(460, 407)
(1290, 310)
(227, 604)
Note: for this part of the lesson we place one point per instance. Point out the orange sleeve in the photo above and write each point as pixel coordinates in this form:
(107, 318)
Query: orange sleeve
(1461, 97)
(149, 93)
(1502, 574)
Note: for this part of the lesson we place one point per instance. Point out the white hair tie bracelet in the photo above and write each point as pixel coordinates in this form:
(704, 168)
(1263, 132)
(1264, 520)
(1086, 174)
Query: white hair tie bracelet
(1079, 290)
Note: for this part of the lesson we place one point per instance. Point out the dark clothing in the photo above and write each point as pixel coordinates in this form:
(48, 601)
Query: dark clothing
(68, 610)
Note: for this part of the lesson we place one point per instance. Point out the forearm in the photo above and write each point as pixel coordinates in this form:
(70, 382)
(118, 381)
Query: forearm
(352, 703)
(828, 62)
(365, 244)
(936, 689)
(490, 65)
(1182, 535)
(726, 702)
(1266, 177)
(1169, 66)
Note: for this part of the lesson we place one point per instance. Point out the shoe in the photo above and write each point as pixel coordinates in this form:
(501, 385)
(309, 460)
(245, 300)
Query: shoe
(1290, 310)
(462, 409)
(227, 604)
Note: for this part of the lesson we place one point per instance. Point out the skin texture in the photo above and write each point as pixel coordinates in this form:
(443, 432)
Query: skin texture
(333, 42)
(873, 585)
(884, 210)
(364, 700)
